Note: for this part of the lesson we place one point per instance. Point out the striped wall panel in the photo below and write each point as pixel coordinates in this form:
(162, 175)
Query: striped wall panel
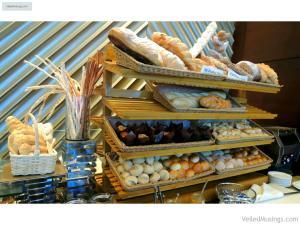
(72, 43)
(69, 42)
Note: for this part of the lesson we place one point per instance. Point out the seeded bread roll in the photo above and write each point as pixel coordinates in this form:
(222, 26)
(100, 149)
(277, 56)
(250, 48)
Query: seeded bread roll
(143, 49)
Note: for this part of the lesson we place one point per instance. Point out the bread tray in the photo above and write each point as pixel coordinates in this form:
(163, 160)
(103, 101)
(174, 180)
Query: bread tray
(111, 132)
(137, 187)
(268, 161)
(123, 59)
(239, 139)
(159, 96)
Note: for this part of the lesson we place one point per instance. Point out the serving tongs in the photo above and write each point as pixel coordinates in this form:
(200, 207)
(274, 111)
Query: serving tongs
(158, 195)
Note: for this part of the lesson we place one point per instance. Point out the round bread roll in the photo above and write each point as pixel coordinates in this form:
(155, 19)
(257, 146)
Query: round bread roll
(167, 163)
(173, 174)
(220, 166)
(195, 158)
(181, 174)
(136, 170)
(150, 160)
(240, 162)
(175, 166)
(164, 175)
(197, 167)
(238, 155)
(155, 177)
(148, 169)
(127, 164)
(157, 166)
(184, 165)
(191, 164)
(143, 179)
(125, 174)
(131, 181)
(205, 166)
(120, 169)
(138, 161)
(189, 173)
(229, 165)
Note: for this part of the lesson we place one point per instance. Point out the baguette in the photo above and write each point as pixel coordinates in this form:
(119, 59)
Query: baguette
(177, 47)
(144, 50)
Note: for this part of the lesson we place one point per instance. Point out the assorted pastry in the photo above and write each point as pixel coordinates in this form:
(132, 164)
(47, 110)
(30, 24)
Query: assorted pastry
(21, 140)
(184, 99)
(239, 158)
(236, 130)
(160, 168)
(160, 133)
(166, 51)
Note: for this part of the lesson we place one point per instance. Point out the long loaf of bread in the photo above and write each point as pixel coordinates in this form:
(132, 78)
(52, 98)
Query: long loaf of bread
(144, 49)
(177, 47)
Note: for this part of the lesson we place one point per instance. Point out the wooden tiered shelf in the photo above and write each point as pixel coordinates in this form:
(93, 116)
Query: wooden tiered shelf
(139, 105)
(173, 151)
(122, 194)
(149, 109)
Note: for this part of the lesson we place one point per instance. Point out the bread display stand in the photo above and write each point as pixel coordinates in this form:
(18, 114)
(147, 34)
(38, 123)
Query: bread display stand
(139, 105)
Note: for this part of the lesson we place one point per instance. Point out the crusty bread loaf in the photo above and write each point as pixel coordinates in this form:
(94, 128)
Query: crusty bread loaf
(268, 74)
(250, 68)
(22, 138)
(214, 62)
(143, 49)
(177, 47)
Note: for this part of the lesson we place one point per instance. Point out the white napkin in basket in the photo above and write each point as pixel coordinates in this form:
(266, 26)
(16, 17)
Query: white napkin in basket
(266, 192)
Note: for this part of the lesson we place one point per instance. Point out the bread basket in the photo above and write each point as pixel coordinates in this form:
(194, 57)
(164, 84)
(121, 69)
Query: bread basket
(35, 163)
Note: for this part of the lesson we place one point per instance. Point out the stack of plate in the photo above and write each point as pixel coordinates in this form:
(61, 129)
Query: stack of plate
(280, 178)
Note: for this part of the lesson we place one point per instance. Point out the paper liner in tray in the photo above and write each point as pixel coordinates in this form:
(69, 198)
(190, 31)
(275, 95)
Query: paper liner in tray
(240, 139)
(111, 132)
(268, 161)
(152, 185)
(159, 95)
(123, 59)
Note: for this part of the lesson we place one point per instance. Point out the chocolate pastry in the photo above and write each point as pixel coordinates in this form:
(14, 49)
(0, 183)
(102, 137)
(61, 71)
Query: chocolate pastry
(143, 139)
(195, 133)
(120, 127)
(168, 136)
(128, 138)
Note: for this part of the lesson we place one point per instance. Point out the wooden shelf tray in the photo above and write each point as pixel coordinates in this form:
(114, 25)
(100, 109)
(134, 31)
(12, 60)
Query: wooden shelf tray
(165, 152)
(142, 109)
(189, 81)
(125, 195)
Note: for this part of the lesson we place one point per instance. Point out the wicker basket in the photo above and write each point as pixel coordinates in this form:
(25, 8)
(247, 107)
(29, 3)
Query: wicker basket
(267, 162)
(108, 124)
(33, 164)
(268, 136)
(123, 59)
(137, 187)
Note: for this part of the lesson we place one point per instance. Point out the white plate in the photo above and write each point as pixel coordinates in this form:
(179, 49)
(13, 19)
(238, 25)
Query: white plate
(296, 184)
